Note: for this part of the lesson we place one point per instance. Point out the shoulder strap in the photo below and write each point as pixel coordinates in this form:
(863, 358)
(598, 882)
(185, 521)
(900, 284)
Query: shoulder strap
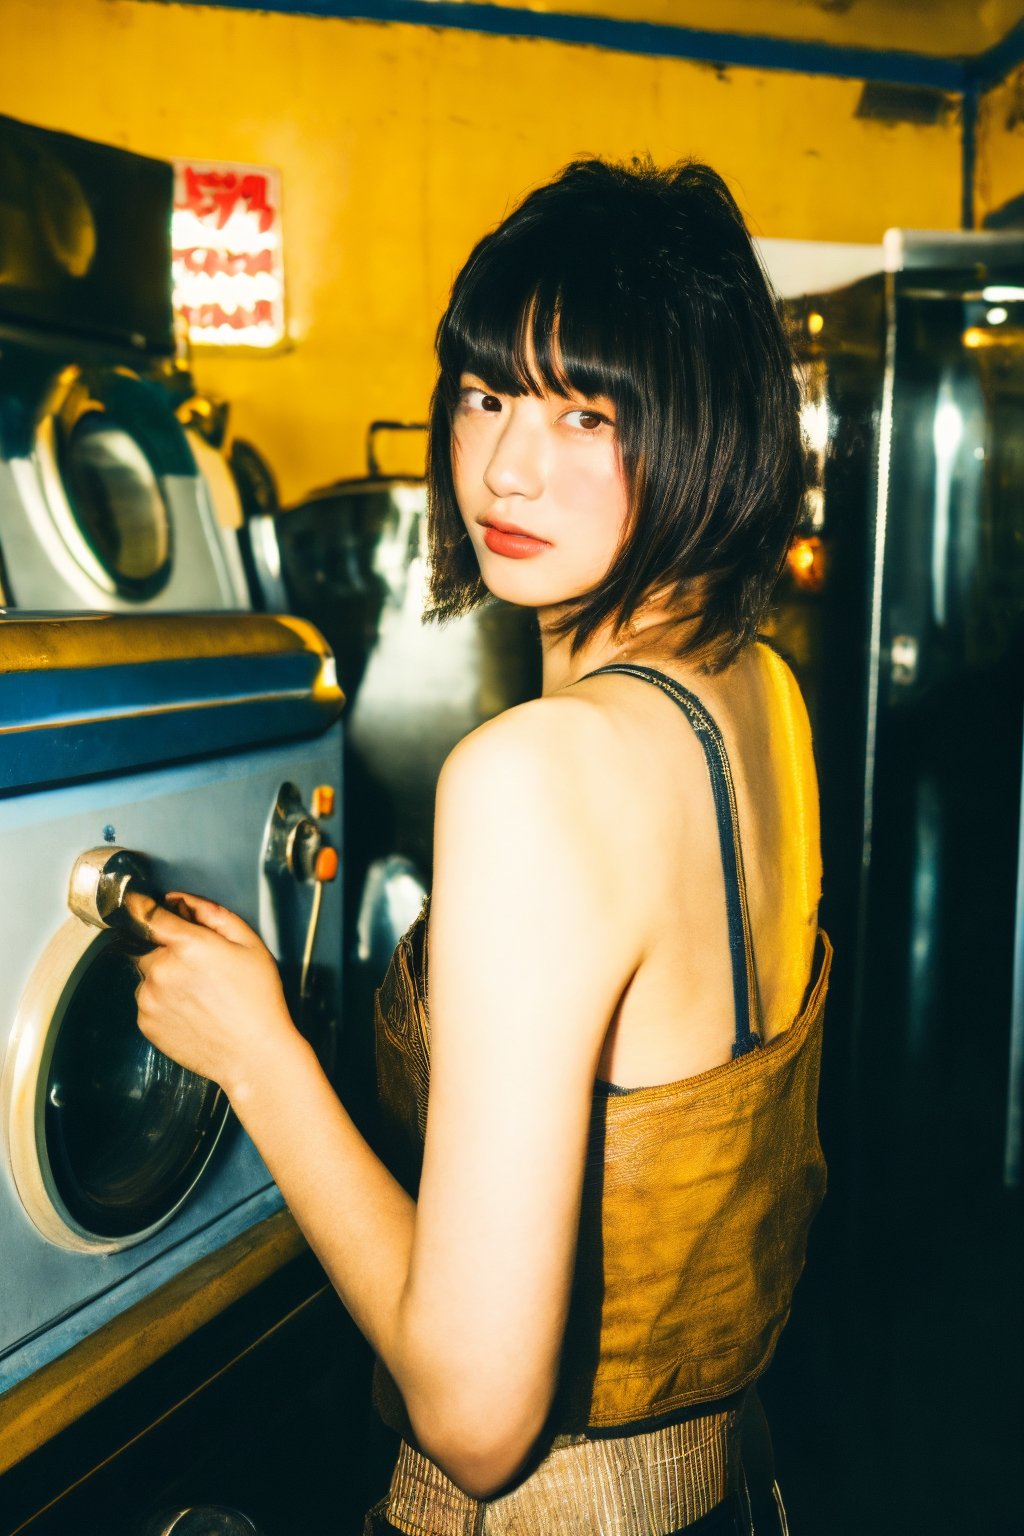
(741, 954)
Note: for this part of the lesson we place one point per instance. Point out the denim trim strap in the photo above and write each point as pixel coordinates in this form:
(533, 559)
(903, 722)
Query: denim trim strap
(741, 953)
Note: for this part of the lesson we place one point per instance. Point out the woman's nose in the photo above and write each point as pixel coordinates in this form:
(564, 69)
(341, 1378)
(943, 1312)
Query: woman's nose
(516, 465)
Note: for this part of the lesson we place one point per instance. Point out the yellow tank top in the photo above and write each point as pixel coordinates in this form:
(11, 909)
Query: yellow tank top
(698, 1194)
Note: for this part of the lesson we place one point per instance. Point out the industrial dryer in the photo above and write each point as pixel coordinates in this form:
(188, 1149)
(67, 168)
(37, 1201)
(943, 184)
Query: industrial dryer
(102, 504)
(152, 749)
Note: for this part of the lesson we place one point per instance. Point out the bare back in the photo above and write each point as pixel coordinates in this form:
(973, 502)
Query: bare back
(675, 1016)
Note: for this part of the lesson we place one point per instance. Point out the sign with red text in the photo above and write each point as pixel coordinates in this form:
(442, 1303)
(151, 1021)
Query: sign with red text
(227, 254)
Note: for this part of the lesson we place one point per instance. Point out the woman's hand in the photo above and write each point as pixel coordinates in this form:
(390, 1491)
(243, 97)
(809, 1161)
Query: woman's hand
(210, 995)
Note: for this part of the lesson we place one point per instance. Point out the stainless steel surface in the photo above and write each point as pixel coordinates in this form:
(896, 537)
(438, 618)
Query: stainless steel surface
(920, 683)
(424, 687)
(392, 898)
(265, 553)
(879, 521)
(966, 252)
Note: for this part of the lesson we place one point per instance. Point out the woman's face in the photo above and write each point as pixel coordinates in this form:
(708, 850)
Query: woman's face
(548, 466)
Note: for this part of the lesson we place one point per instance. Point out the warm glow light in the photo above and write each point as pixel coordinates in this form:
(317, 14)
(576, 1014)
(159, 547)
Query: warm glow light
(974, 336)
(815, 322)
(805, 560)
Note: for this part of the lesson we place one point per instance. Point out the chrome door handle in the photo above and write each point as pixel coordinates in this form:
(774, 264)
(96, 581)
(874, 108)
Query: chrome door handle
(100, 882)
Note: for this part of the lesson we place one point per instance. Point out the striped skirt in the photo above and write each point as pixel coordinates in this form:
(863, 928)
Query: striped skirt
(683, 1478)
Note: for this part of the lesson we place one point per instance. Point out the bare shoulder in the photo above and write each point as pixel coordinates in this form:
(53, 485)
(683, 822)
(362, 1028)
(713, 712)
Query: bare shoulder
(545, 738)
(535, 785)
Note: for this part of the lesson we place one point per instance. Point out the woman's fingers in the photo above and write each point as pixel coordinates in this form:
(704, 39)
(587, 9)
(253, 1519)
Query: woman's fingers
(179, 915)
(158, 924)
(218, 919)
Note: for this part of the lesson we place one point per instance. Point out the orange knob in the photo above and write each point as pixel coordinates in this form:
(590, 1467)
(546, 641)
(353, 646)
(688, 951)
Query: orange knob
(323, 800)
(326, 866)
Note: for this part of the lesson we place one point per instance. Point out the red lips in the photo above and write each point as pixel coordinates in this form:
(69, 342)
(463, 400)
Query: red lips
(512, 542)
(493, 522)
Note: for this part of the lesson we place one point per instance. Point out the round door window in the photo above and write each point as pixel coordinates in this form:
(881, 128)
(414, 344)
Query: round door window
(127, 1130)
(118, 504)
(107, 1136)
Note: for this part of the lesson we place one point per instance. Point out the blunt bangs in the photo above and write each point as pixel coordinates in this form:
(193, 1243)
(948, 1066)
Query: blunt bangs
(526, 330)
(641, 285)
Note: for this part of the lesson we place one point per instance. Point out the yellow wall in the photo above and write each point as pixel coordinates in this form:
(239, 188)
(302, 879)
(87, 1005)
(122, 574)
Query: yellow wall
(399, 145)
(999, 174)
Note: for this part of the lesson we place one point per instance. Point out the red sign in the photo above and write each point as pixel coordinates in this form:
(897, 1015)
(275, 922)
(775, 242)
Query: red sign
(228, 267)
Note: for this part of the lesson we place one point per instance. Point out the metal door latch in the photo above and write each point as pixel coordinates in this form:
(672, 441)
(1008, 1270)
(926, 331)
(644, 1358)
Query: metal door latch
(100, 881)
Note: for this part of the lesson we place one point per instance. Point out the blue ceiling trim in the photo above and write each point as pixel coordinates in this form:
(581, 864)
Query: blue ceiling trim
(989, 68)
(640, 37)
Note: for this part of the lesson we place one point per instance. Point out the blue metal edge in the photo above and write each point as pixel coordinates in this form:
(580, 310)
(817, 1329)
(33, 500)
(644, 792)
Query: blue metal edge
(62, 695)
(60, 726)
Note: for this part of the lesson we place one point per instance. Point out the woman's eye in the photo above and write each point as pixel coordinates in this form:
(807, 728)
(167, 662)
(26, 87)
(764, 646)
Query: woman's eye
(476, 399)
(587, 421)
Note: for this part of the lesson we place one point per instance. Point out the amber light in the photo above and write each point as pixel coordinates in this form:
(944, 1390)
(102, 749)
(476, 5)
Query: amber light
(1004, 336)
(805, 561)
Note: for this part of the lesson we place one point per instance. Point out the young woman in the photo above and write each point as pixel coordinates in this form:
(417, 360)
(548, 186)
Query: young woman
(617, 1161)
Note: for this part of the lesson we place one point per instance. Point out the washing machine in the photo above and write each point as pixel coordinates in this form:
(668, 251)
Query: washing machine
(144, 752)
(102, 503)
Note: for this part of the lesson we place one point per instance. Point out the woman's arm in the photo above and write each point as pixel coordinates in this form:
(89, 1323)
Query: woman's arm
(465, 1294)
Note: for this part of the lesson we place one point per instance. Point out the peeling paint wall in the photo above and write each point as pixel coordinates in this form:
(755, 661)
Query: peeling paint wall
(399, 145)
(999, 173)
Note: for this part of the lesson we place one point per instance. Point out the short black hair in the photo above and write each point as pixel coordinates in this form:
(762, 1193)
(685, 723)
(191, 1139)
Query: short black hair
(642, 285)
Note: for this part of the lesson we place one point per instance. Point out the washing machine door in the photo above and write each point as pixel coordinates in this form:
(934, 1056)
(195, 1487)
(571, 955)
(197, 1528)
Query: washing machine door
(107, 1136)
(109, 511)
(112, 441)
(117, 504)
